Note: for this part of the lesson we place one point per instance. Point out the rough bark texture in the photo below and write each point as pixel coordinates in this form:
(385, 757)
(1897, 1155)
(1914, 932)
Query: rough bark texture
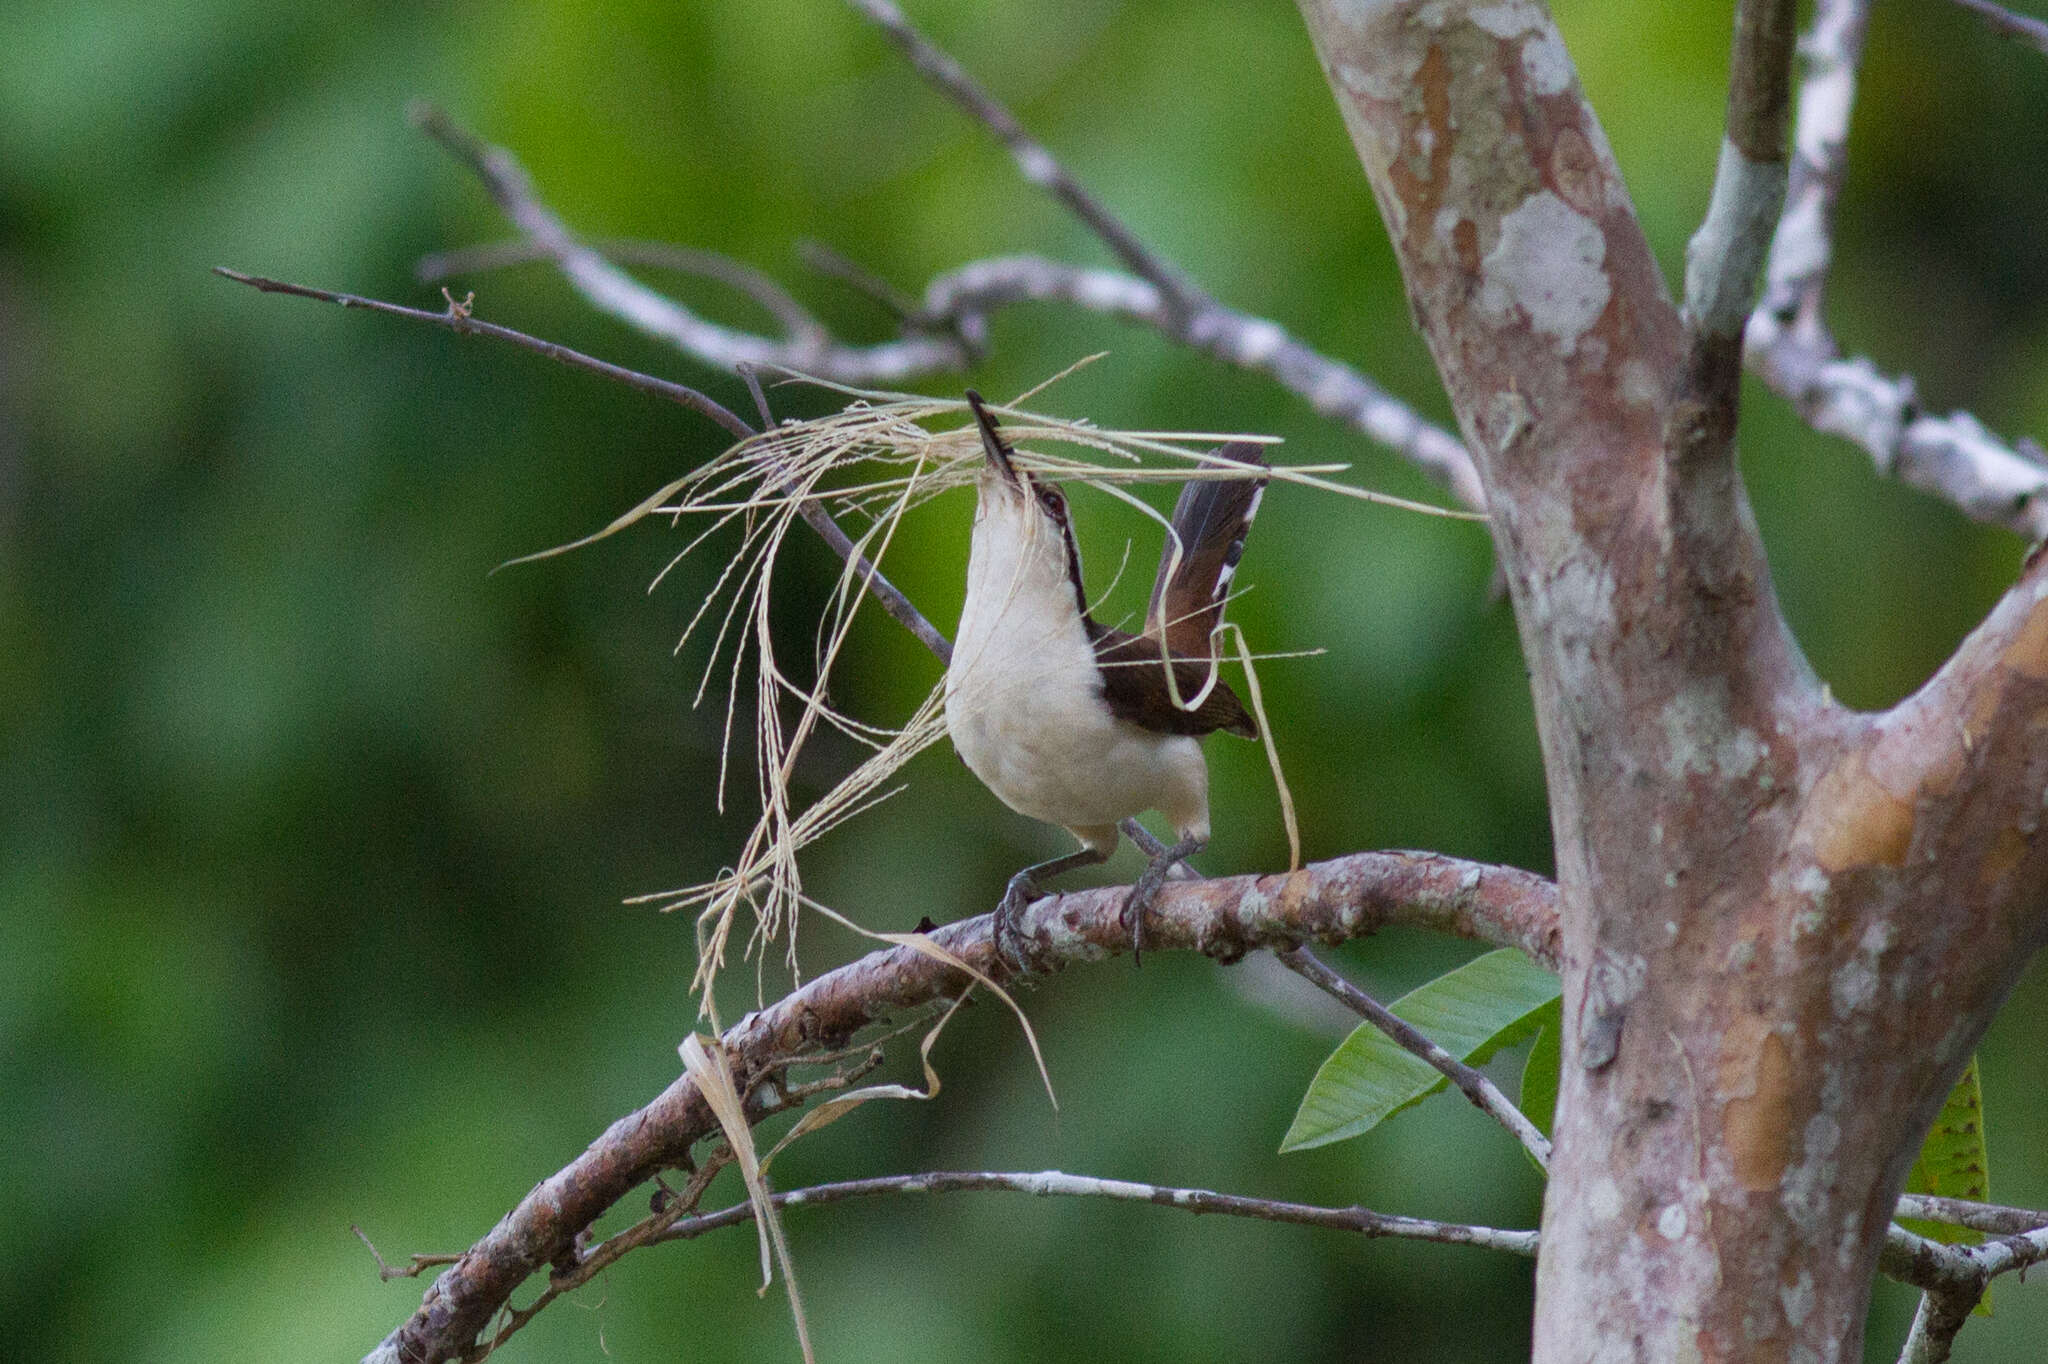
(1785, 924)
(1225, 918)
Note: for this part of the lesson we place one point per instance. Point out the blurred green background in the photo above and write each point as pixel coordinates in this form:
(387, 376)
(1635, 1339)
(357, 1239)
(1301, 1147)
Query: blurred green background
(313, 834)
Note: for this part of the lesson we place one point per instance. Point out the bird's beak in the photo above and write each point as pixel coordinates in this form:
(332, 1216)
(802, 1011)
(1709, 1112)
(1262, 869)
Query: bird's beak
(992, 445)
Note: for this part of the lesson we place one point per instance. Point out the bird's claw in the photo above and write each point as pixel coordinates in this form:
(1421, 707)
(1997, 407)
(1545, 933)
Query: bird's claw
(1005, 927)
(1133, 916)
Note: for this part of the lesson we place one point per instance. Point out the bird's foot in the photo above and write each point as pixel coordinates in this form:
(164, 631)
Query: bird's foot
(1005, 928)
(1146, 889)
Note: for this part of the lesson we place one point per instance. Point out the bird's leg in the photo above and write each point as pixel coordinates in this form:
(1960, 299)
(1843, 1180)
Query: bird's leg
(1140, 899)
(1024, 888)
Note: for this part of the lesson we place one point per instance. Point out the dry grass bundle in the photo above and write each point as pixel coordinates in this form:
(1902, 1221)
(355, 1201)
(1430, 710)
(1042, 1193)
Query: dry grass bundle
(868, 465)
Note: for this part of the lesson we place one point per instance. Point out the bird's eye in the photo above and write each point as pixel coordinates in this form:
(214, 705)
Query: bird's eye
(1055, 500)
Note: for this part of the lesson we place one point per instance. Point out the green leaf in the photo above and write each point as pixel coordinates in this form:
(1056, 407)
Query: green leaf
(1540, 1071)
(1471, 1012)
(1954, 1164)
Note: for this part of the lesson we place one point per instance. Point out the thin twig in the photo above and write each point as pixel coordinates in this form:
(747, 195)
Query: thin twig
(1471, 1083)
(800, 326)
(1036, 164)
(415, 1265)
(865, 572)
(2002, 21)
(1484, 1093)
(457, 318)
(1052, 1183)
(834, 264)
(1789, 346)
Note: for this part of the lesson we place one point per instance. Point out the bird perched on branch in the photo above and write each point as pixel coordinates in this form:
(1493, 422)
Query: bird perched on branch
(1077, 723)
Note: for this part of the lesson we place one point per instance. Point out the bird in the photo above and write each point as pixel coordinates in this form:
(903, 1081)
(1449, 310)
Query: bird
(1074, 722)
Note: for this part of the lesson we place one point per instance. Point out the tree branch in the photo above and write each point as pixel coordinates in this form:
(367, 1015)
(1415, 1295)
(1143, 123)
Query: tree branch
(800, 327)
(1224, 918)
(1936, 1324)
(1484, 1094)
(1726, 256)
(1037, 165)
(1961, 1212)
(869, 576)
(947, 330)
(1952, 1279)
(457, 318)
(1052, 1183)
(1790, 347)
(612, 291)
(2020, 28)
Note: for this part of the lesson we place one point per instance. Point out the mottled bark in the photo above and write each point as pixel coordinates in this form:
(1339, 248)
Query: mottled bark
(1225, 918)
(1785, 924)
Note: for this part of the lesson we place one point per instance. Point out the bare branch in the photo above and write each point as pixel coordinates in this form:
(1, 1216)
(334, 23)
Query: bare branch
(800, 327)
(458, 319)
(1052, 1183)
(1958, 1271)
(612, 291)
(1936, 1324)
(833, 265)
(946, 332)
(1953, 1280)
(1960, 1212)
(893, 601)
(1483, 1093)
(1224, 918)
(1332, 388)
(416, 1264)
(1726, 256)
(1037, 165)
(2020, 28)
(1789, 346)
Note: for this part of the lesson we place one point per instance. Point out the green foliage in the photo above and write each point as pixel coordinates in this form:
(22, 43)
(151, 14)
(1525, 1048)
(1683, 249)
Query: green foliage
(1955, 1163)
(1489, 1003)
(1538, 1100)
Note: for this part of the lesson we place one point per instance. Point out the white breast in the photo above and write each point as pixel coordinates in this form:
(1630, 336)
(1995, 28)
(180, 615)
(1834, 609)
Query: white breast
(1024, 700)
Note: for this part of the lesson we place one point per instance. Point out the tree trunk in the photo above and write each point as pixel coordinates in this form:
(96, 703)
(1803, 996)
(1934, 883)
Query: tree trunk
(1785, 924)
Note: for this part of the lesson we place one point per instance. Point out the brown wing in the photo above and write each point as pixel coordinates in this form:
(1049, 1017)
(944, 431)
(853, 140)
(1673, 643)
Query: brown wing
(1134, 686)
(1209, 523)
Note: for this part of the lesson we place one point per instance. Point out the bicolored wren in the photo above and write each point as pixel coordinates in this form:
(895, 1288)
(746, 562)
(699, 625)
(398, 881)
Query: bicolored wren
(1074, 722)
